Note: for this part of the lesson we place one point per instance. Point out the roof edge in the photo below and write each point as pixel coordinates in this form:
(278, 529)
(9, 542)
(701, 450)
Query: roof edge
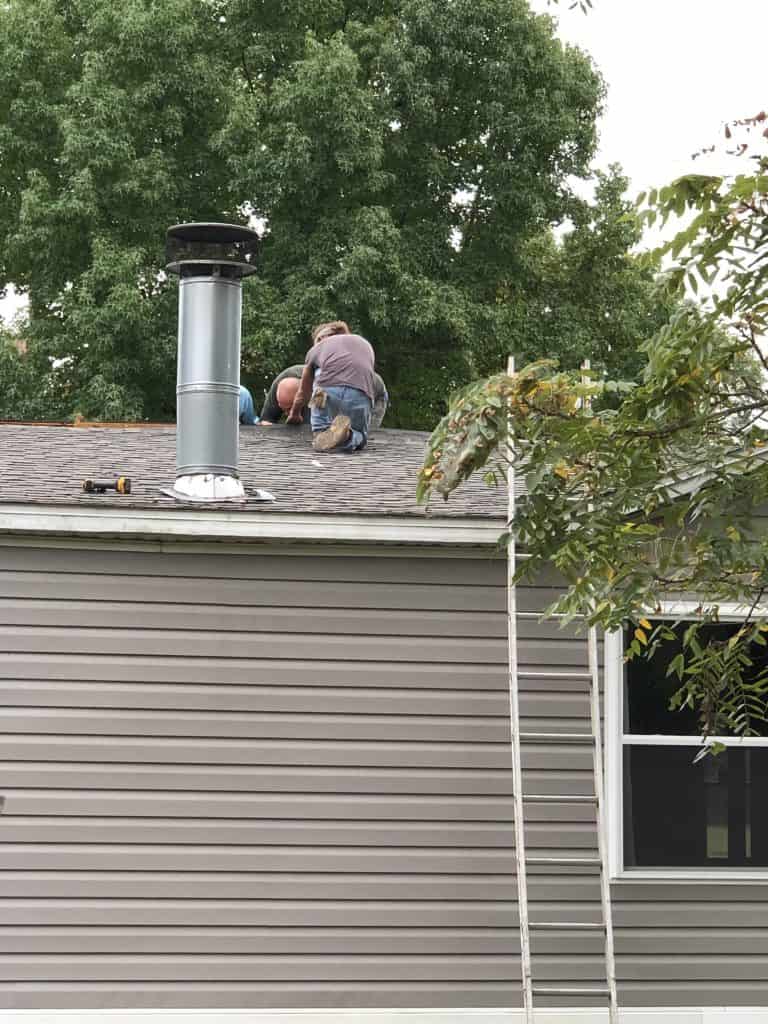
(41, 520)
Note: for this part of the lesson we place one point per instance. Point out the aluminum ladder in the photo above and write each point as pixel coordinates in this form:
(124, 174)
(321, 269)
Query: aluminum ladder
(593, 739)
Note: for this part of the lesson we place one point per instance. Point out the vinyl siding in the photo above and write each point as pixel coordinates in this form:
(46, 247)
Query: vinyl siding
(265, 780)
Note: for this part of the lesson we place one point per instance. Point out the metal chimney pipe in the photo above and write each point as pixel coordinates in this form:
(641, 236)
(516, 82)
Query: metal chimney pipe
(211, 261)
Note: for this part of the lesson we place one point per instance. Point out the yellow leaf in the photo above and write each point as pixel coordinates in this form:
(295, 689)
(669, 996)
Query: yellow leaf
(645, 624)
(640, 635)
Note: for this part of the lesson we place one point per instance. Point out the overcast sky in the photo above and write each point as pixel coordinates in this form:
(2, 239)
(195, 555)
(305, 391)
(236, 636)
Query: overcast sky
(676, 71)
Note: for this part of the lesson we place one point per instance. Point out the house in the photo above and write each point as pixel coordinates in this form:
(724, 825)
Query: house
(255, 760)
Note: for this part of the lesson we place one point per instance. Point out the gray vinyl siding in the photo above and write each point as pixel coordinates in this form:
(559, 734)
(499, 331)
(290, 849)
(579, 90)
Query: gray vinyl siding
(275, 780)
(253, 781)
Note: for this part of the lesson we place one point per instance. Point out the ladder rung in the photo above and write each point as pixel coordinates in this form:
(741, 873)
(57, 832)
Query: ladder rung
(558, 737)
(541, 798)
(540, 991)
(566, 925)
(525, 674)
(580, 861)
(547, 616)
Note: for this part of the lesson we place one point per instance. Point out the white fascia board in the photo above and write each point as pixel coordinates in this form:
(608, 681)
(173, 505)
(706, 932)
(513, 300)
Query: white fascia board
(632, 1015)
(239, 525)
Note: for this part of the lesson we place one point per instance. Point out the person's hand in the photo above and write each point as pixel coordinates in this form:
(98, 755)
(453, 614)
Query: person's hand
(294, 417)
(266, 423)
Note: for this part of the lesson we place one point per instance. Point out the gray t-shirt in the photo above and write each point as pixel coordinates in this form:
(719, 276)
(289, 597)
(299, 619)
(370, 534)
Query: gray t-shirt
(272, 412)
(344, 360)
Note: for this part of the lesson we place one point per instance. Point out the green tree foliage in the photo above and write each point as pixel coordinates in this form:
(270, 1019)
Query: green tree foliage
(407, 160)
(583, 296)
(107, 119)
(640, 500)
(20, 381)
(402, 153)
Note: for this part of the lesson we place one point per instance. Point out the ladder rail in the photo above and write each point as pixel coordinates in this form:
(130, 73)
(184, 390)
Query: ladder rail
(514, 726)
(597, 758)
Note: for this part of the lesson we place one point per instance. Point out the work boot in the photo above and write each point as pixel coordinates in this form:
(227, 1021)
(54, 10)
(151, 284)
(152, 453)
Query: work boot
(338, 432)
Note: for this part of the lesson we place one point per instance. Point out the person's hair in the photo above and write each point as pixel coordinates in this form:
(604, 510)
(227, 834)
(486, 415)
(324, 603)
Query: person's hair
(329, 329)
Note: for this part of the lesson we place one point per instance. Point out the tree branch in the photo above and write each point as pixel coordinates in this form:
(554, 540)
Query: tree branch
(247, 73)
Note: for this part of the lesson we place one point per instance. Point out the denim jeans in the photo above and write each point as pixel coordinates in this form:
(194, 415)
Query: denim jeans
(344, 401)
(245, 410)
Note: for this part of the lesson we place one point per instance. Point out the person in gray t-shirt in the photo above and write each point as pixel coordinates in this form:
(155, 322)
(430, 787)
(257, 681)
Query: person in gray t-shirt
(279, 398)
(339, 373)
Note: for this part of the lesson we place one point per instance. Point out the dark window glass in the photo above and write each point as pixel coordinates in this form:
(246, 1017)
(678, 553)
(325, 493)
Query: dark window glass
(709, 814)
(648, 690)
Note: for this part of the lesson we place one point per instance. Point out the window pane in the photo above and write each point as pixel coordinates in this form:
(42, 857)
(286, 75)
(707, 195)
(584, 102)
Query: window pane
(681, 814)
(648, 690)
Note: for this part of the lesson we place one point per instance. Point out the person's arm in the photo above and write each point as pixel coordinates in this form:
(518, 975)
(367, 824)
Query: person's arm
(381, 401)
(246, 413)
(303, 394)
(271, 411)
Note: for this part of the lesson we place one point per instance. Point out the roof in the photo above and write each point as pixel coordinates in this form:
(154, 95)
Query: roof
(44, 464)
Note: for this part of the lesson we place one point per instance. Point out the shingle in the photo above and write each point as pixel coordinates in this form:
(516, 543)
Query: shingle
(46, 464)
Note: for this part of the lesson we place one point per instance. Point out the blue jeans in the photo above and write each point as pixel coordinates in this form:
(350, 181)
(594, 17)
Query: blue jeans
(344, 401)
(245, 410)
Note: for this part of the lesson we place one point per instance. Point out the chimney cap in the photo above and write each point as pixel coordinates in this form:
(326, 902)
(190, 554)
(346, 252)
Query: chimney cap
(206, 231)
(204, 245)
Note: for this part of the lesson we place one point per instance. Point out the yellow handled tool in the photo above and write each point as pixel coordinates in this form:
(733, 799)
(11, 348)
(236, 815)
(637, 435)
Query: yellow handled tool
(122, 485)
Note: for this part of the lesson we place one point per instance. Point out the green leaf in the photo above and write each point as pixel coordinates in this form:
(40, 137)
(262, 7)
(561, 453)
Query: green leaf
(676, 666)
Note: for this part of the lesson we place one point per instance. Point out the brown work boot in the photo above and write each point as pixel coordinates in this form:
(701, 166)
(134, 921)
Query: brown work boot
(333, 436)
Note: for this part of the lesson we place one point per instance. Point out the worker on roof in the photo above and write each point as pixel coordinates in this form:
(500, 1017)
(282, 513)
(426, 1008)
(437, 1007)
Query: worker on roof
(338, 373)
(283, 390)
(246, 413)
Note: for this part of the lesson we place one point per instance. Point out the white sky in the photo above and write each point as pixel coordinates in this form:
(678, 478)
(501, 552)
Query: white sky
(676, 71)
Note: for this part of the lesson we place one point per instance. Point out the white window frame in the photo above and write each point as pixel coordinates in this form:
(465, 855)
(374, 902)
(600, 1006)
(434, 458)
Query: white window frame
(615, 741)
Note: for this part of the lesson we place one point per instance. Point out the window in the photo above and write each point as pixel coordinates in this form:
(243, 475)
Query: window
(669, 813)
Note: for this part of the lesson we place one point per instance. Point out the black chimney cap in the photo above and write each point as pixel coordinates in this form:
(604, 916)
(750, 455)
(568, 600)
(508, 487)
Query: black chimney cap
(198, 247)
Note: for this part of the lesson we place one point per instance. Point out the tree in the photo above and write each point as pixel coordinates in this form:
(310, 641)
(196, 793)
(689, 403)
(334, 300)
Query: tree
(108, 116)
(19, 383)
(658, 495)
(583, 295)
(406, 153)
(406, 160)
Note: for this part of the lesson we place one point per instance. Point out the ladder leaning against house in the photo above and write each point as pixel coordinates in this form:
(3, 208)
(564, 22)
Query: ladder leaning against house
(519, 739)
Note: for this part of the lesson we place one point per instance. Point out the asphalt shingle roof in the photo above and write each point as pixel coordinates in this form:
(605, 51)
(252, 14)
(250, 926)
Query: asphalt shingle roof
(46, 464)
